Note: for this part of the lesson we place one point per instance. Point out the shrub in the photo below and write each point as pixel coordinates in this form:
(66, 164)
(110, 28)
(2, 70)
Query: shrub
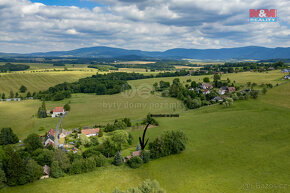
(92, 151)
(100, 160)
(145, 155)
(77, 167)
(171, 142)
(118, 159)
(135, 162)
(89, 164)
(55, 170)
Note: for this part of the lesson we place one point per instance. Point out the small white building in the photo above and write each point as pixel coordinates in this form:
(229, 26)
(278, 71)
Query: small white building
(58, 111)
(91, 132)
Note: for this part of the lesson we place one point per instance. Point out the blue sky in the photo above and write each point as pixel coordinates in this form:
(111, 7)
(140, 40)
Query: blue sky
(152, 25)
(78, 3)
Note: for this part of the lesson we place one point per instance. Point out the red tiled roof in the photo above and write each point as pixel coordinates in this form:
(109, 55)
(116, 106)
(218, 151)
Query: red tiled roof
(58, 110)
(90, 131)
(136, 153)
(51, 132)
(231, 89)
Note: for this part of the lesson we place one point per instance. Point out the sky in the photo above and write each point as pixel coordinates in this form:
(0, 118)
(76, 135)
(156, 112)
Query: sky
(28, 26)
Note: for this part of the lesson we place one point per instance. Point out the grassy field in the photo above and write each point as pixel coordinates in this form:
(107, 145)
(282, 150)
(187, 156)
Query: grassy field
(244, 148)
(90, 109)
(39, 80)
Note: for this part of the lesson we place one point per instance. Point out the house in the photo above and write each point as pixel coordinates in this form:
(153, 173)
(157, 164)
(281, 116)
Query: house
(46, 172)
(223, 90)
(192, 89)
(206, 86)
(231, 89)
(206, 91)
(285, 70)
(58, 111)
(75, 150)
(49, 140)
(91, 132)
(64, 133)
(287, 77)
(51, 132)
(217, 99)
(246, 90)
(16, 99)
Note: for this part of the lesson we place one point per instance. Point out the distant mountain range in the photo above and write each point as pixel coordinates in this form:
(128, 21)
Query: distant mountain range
(250, 52)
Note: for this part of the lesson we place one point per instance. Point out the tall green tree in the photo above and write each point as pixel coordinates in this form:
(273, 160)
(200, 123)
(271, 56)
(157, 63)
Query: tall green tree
(33, 171)
(14, 167)
(62, 158)
(42, 111)
(33, 142)
(118, 159)
(8, 137)
(11, 94)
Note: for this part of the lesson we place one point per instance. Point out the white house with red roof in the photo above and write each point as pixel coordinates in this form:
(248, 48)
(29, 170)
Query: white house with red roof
(58, 111)
(91, 132)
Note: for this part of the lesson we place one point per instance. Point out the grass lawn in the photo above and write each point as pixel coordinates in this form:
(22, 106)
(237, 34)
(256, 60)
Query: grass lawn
(243, 148)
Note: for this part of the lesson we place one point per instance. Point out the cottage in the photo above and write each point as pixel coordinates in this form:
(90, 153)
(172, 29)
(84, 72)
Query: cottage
(287, 77)
(206, 91)
(64, 133)
(246, 90)
(217, 99)
(49, 140)
(58, 111)
(91, 132)
(46, 172)
(223, 90)
(231, 89)
(285, 70)
(206, 86)
(51, 132)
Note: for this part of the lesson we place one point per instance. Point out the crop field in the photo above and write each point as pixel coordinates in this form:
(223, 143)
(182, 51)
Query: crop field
(243, 148)
(37, 81)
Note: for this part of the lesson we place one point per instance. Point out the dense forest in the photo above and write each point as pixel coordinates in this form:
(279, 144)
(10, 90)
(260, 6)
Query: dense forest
(13, 67)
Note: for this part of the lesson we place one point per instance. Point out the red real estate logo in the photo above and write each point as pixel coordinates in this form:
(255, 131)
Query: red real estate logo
(263, 15)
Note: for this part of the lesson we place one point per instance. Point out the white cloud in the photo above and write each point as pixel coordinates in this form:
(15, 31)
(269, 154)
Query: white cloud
(144, 24)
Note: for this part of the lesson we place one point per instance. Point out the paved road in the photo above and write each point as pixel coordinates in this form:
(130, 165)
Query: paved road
(56, 144)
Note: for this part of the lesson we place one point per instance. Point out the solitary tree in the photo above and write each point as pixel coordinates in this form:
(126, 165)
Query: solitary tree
(206, 79)
(23, 89)
(118, 159)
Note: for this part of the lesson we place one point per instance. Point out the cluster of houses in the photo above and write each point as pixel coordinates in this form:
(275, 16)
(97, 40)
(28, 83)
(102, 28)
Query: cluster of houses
(51, 135)
(15, 99)
(286, 77)
(206, 88)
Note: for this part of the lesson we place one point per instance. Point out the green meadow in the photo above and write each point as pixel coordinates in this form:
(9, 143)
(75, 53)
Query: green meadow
(244, 148)
(90, 109)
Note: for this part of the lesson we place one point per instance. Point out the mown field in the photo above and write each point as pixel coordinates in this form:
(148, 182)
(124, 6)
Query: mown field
(36, 81)
(244, 148)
